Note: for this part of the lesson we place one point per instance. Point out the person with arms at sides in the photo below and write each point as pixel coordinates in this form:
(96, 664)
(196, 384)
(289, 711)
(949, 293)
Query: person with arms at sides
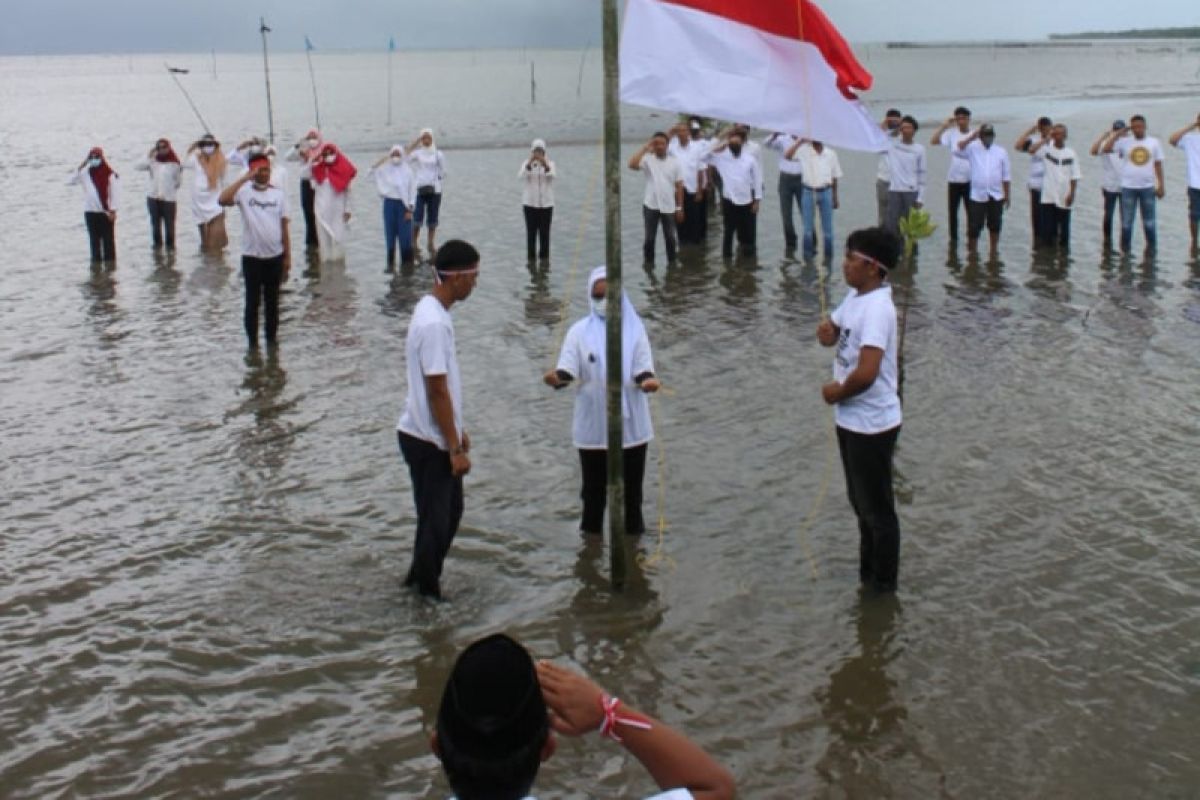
(883, 173)
(266, 245)
(304, 152)
(865, 399)
(583, 359)
(537, 174)
(208, 165)
(990, 190)
(1034, 138)
(429, 165)
(331, 175)
(397, 185)
(958, 177)
(501, 713)
(821, 171)
(690, 151)
(791, 184)
(166, 174)
(1110, 181)
(1188, 140)
(741, 192)
(432, 438)
(1059, 182)
(101, 191)
(1142, 181)
(662, 201)
(907, 166)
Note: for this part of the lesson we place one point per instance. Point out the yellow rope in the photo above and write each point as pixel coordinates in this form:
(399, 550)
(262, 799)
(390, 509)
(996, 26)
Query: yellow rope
(659, 556)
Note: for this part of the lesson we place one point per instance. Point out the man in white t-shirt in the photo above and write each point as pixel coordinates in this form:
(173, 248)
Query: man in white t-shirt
(990, 188)
(1032, 141)
(266, 246)
(865, 395)
(1188, 140)
(883, 172)
(662, 203)
(907, 167)
(433, 441)
(1110, 181)
(689, 151)
(958, 177)
(1142, 182)
(500, 713)
(791, 184)
(1058, 186)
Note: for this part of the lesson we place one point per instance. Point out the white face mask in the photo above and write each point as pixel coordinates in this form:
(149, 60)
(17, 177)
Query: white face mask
(397, 160)
(313, 142)
(599, 306)
(329, 159)
(94, 162)
(208, 149)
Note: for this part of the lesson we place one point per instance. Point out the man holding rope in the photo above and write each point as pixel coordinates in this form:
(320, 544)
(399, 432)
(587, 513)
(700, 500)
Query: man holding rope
(866, 405)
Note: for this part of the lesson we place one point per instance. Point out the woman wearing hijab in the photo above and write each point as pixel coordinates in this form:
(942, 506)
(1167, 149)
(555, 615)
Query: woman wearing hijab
(101, 190)
(165, 174)
(398, 187)
(537, 175)
(331, 175)
(583, 359)
(208, 162)
(304, 151)
(429, 166)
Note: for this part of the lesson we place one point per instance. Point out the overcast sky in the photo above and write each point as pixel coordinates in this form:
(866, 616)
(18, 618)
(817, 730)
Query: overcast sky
(121, 26)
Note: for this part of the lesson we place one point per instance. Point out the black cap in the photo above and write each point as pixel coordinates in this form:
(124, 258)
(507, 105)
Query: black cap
(1118, 124)
(492, 705)
(893, 112)
(987, 130)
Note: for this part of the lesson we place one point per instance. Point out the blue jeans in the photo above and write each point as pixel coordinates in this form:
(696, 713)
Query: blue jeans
(822, 199)
(1131, 199)
(789, 192)
(397, 229)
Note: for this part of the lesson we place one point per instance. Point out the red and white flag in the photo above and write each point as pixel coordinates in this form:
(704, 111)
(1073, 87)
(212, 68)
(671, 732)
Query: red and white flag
(779, 65)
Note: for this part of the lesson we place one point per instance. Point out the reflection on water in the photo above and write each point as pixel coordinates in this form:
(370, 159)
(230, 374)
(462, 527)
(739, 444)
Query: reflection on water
(265, 444)
(541, 307)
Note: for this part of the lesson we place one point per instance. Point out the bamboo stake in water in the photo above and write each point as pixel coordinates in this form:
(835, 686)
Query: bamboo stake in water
(312, 76)
(532, 86)
(612, 253)
(264, 30)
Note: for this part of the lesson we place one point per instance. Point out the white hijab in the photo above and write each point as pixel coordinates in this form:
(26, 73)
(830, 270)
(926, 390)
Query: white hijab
(595, 338)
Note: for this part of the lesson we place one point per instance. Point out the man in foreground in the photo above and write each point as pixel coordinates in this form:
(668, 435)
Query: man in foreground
(499, 713)
(865, 400)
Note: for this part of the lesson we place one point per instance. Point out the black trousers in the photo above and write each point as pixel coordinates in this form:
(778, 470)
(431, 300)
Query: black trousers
(307, 195)
(957, 193)
(100, 236)
(990, 213)
(439, 499)
(1040, 218)
(537, 231)
(739, 220)
(695, 220)
(1112, 201)
(1058, 226)
(653, 219)
(595, 488)
(867, 461)
(263, 276)
(162, 221)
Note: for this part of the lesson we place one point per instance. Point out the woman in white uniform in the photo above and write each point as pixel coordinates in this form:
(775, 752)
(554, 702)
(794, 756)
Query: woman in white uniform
(331, 176)
(208, 164)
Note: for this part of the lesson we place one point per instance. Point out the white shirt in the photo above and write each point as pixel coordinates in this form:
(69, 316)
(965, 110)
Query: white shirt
(960, 171)
(867, 320)
(661, 176)
(884, 171)
(1138, 157)
(821, 169)
(91, 198)
(205, 201)
(1037, 167)
(396, 182)
(781, 143)
(165, 177)
(429, 350)
(1062, 167)
(590, 427)
(537, 183)
(741, 176)
(1110, 172)
(987, 167)
(689, 157)
(429, 165)
(753, 148)
(263, 212)
(1189, 143)
(906, 162)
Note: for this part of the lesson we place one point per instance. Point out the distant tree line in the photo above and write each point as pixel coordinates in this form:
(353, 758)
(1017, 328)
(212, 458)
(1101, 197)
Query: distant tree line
(1142, 33)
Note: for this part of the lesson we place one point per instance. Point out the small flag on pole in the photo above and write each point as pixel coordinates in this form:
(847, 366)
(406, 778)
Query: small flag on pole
(392, 44)
(308, 45)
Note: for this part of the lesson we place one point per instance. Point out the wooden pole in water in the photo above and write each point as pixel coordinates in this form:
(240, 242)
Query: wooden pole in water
(612, 258)
(264, 30)
(532, 86)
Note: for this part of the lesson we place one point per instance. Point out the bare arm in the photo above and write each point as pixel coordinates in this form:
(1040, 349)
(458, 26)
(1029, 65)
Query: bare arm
(936, 139)
(1100, 140)
(673, 760)
(438, 391)
(227, 194)
(1179, 134)
(858, 381)
(635, 162)
(791, 151)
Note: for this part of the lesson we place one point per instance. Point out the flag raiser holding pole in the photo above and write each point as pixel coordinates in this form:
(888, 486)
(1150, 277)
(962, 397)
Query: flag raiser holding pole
(779, 65)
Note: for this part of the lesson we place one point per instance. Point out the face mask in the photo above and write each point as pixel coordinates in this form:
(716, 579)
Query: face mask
(208, 149)
(329, 159)
(599, 306)
(397, 160)
(313, 142)
(94, 162)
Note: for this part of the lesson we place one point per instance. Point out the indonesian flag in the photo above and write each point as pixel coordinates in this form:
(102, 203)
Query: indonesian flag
(775, 64)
